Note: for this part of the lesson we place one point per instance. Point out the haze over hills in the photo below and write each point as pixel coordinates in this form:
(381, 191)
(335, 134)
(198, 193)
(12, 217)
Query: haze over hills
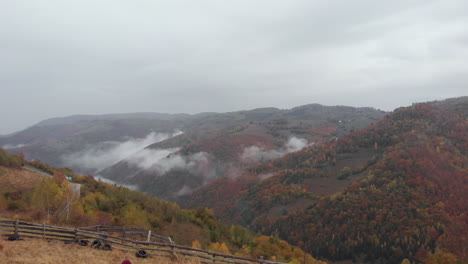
(188, 161)
(134, 148)
(395, 189)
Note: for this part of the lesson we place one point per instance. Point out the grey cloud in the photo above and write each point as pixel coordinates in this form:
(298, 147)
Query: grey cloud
(259, 154)
(184, 190)
(8, 146)
(92, 57)
(108, 153)
(265, 176)
(129, 186)
(161, 161)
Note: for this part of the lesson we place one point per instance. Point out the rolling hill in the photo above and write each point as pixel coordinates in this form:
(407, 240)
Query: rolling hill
(393, 190)
(148, 151)
(200, 157)
(34, 197)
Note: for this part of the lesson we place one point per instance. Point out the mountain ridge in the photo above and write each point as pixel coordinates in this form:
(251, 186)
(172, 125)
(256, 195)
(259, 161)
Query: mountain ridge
(289, 201)
(225, 149)
(91, 145)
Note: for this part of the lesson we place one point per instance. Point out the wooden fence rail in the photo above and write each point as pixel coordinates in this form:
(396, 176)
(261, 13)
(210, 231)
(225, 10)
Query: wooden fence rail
(121, 238)
(147, 235)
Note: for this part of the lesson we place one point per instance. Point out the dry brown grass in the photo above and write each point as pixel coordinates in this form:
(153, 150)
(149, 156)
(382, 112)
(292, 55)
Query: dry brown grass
(34, 251)
(18, 179)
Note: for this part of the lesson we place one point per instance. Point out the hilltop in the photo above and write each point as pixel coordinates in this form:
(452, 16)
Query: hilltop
(393, 190)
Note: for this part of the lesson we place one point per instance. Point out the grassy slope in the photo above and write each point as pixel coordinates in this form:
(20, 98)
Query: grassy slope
(32, 251)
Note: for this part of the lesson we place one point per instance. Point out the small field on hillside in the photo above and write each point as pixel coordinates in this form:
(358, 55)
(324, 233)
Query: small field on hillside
(33, 251)
(18, 179)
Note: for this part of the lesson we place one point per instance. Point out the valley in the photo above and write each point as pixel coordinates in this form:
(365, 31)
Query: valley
(343, 184)
(171, 155)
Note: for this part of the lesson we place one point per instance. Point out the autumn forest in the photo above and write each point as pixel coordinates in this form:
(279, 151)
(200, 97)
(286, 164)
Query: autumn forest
(395, 191)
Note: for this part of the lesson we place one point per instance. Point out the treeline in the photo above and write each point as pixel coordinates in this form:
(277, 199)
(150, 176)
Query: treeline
(55, 200)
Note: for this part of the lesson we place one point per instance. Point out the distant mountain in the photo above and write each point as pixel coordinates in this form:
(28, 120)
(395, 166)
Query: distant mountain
(393, 190)
(224, 145)
(54, 139)
(92, 144)
(81, 118)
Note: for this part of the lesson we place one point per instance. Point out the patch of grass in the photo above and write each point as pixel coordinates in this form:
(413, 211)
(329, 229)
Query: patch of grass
(18, 179)
(32, 251)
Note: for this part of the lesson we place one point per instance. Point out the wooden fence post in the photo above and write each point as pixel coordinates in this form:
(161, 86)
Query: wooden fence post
(16, 227)
(149, 236)
(43, 231)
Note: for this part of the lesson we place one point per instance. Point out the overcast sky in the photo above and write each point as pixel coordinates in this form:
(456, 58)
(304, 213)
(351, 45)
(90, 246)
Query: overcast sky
(61, 57)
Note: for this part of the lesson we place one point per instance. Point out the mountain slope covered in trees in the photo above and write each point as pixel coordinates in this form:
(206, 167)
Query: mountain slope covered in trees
(396, 189)
(205, 155)
(147, 150)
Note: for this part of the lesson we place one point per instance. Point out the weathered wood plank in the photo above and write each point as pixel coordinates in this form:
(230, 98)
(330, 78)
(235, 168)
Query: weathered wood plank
(50, 230)
(48, 226)
(47, 234)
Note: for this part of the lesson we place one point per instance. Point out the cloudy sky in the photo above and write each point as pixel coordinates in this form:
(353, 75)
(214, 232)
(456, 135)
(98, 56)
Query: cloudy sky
(61, 57)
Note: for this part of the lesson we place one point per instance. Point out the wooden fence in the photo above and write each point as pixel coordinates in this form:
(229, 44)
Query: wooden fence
(120, 238)
(129, 232)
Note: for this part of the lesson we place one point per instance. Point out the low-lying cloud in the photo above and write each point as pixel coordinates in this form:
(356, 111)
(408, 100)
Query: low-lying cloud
(161, 161)
(260, 154)
(184, 191)
(106, 180)
(106, 154)
(265, 176)
(8, 146)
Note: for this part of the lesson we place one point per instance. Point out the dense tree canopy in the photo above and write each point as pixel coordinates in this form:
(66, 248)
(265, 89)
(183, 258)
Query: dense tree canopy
(404, 191)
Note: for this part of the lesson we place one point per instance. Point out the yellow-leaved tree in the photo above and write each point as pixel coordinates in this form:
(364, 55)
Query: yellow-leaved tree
(47, 197)
(133, 215)
(441, 257)
(196, 244)
(219, 247)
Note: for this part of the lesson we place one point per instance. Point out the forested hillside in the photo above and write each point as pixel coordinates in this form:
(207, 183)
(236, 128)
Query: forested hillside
(223, 145)
(34, 197)
(167, 155)
(396, 189)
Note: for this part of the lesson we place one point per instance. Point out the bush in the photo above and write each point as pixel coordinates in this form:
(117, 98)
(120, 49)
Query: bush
(9, 160)
(3, 202)
(345, 173)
